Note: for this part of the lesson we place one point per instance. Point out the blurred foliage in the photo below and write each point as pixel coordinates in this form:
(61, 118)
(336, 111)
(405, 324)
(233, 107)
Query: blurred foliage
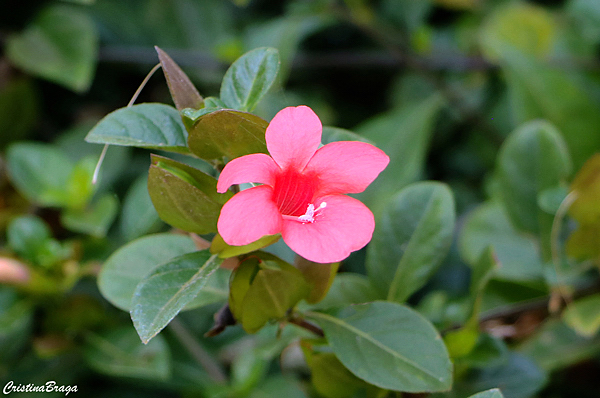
(486, 278)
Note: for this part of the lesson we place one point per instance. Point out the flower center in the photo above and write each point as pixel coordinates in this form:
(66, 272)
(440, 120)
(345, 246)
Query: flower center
(309, 216)
(293, 192)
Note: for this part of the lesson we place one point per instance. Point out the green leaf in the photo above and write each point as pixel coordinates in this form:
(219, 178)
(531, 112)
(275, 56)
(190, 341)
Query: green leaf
(493, 393)
(153, 126)
(80, 188)
(348, 288)
(272, 293)
(320, 276)
(138, 216)
(59, 45)
(218, 246)
(185, 197)
(518, 255)
(31, 238)
(120, 353)
(413, 358)
(518, 376)
(26, 234)
(532, 159)
(160, 296)
(586, 184)
(94, 220)
(40, 172)
(227, 133)
(404, 133)
(264, 288)
(583, 315)
(183, 91)
(249, 78)
(411, 239)
(127, 266)
(329, 377)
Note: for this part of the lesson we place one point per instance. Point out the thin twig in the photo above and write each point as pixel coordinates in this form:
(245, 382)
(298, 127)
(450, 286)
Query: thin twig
(200, 355)
(311, 327)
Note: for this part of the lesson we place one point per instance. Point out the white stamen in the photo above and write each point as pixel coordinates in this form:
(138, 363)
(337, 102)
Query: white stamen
(309, 216)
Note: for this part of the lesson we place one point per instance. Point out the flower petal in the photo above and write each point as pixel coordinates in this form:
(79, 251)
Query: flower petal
(248, 216)
(257, 167)
(343, 226)
(346, 166)
(293, 136)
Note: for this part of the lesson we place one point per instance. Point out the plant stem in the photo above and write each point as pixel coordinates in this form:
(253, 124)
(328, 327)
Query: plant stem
(303, 323)
(200, 355)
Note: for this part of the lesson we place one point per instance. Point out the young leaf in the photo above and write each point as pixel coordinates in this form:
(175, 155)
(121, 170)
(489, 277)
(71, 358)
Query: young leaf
(272, 292)
(586, 208)
(218, 246)
(249, 78)
(59, 45)
(119, 352)
(183, 91)
(583, 315)
(126, 267)
(155, 126)
(29, 164)
(160, 296)
(185, 197)
(412, 359)
(329, 377)
(227, 133)
(411, 239)
(319, 276)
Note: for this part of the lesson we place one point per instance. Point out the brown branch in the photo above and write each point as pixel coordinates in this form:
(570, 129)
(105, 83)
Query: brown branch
(303, 323)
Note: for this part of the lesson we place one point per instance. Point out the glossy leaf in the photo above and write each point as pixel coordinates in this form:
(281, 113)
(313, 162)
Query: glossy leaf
(319, 276)
(583, 315)
(348, 288)
(493, 393)
(488, 225)
(185, 197)
(119, 352)
(227, 133)
(411, 239)
(94, 220)
(59, 45)
(126, 267)
(518, 376)
(138, 216)
(160, 296)
(155, 126)
(249, 78)
(183, 91)
(28, 165)
(413, 358)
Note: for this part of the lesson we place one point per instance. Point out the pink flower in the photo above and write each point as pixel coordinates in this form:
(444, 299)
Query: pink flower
(302, 192)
